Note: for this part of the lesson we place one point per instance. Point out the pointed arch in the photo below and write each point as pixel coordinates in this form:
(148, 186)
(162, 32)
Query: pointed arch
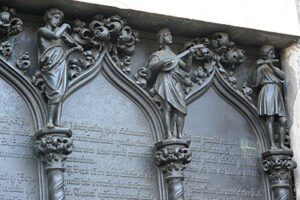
(236, 99)
(142, 99)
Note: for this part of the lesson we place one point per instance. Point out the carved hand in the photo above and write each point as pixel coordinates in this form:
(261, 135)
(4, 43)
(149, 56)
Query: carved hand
(66, 26)
(194, 48)
(168, 61)
(260, 62)
(79, 48)
(269, 61)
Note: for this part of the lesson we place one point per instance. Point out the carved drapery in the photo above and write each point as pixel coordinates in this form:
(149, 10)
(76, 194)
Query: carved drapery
(88, 45)
(110, 42)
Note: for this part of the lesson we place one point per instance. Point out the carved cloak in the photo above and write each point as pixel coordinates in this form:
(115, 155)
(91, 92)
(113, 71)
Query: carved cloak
(54, 72)
(270, 101)
(169, 81)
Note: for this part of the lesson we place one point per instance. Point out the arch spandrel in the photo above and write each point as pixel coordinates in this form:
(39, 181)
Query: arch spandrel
(226, 152)
(113, 143)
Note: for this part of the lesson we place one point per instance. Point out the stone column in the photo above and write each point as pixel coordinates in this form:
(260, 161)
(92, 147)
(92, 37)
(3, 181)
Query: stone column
(278, 164)
(52, 147)
(290, 62)
(172, 155)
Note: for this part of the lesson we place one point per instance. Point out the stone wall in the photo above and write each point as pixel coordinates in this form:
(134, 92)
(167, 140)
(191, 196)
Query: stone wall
(291, 64)
(280, 16)
(266, 15)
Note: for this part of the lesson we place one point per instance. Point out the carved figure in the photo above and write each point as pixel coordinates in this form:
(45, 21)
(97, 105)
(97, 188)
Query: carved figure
(168, 72)
(53, 64)
(270, 101)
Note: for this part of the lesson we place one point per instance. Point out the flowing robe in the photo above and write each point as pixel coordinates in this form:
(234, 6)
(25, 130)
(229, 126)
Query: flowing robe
(270, 100)
(169, 81)
(54, 71)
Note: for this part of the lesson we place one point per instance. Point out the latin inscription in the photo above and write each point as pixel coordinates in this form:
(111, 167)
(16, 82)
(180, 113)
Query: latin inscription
(216, 158)
(113, 153)
(18, 174)
(225, 163)
(110, 164)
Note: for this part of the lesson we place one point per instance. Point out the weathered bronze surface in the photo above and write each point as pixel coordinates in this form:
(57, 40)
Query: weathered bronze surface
(277, 161)
(19, 166)
(52, 61)
(169, 75)
(278, 164)
(112, 157)
(93, 109)
(270, 101)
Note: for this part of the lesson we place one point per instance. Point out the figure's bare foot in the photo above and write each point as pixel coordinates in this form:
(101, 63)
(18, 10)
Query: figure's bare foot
(170, 136)
(152, 92)
(273, 146)
(59, 125)
(282, 146)
(50, 125)
(179, 135)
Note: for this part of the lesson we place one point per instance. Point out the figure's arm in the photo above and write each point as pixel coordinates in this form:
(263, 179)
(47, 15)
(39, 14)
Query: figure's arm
(256, 75)
(186, 66)
(253, 77)
(155, 64)
(48, 34)
(182, 64)
(277, 71)
(59, 32)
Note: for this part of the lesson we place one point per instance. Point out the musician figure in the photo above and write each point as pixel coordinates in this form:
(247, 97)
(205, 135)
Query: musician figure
(170, 79)
(270, 101)
(52, 63)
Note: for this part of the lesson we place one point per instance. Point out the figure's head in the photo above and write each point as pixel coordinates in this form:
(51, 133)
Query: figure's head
(164, 37)
(267, 51)
(54, 17)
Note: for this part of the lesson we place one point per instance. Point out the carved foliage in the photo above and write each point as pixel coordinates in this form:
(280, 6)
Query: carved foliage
(9, 26)
(172, 156)
(247, 91)
(278, 164)
(52, 147)
(53, 150)
(279, 167)
(112, 32)
(173, 159)
(218, 52)
(77, 66)
(23, 62)
(5, 49)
